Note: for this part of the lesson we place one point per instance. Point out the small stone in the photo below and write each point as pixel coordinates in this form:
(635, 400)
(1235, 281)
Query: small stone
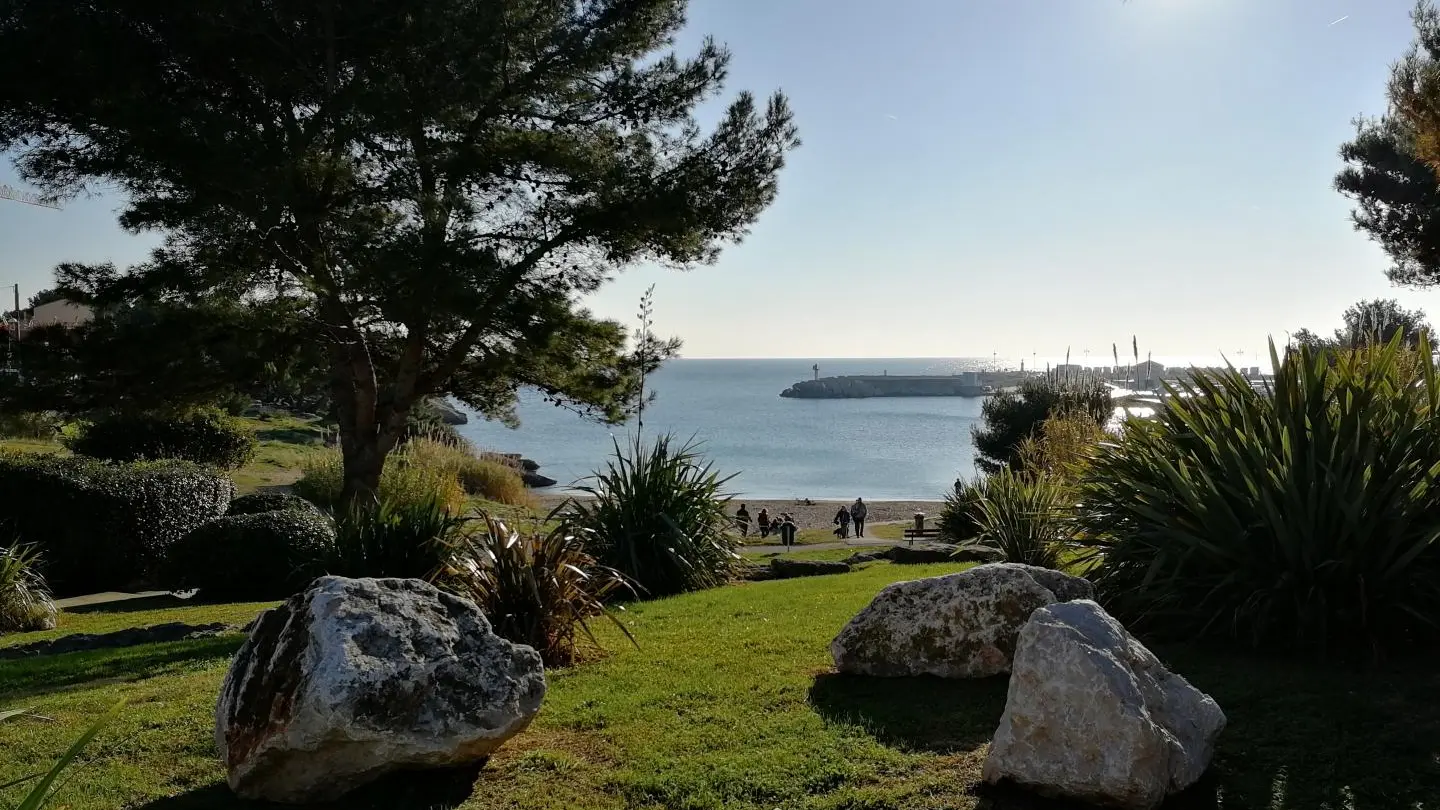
(960, 625)
(1093, 715)
(354, 678)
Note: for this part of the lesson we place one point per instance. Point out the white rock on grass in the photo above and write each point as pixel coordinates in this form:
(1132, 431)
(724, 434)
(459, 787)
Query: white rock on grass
(358, 677)
(1093, 715)
(957, 626)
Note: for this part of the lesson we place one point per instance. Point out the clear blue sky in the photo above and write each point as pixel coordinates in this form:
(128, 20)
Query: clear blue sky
(1009, 176)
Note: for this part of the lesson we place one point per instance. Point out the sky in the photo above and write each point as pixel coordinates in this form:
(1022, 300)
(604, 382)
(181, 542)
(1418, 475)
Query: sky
(1008, 177)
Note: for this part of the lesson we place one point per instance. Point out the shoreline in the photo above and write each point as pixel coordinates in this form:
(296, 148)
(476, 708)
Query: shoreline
(817, 514)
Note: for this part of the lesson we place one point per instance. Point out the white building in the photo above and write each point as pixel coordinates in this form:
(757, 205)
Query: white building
(62, 312)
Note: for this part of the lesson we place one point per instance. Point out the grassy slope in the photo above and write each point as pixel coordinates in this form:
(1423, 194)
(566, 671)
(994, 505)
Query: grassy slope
(285, 441)
(107, 618)
(728, 703)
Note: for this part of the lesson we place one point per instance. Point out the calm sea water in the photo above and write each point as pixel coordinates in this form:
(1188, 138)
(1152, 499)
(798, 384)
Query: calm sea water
(882, 449)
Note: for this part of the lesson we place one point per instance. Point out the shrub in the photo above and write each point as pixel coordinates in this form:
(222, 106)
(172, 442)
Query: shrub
(959, 520)
(105, 526)
(1062, 448)
(487, 476)
(25, 602)
(1027, 518)
(539, 589)
(1011, 416)
(1303, 516)
(426, 421)
(657, 515)
(204, 438)
(394, 539)
(29, 425)
(401, 482)
(269, 501)
(251, 557)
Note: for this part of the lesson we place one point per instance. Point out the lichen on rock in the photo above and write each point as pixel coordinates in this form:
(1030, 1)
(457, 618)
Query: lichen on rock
(960, 625)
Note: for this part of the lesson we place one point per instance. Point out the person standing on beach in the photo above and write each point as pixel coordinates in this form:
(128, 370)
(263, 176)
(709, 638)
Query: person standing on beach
(842, 519)
(763, 522)
(742, 521)
(857, 516)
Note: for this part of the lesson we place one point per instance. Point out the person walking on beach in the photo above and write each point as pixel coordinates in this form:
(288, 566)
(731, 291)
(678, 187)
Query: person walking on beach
(842, 520)
(742, 521)
(763, 522)
(858, 511)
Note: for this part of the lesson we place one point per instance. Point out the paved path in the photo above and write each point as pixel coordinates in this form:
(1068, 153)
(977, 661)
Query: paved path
(105, 598)
(863, 542)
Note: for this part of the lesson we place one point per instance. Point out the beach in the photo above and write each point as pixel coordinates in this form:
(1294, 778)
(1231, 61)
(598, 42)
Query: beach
(819, 514)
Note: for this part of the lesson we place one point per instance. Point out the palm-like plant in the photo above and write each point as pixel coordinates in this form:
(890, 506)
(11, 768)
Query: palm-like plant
(1306, 515)
(25, 602)
(539, 589)
(1026, 517)
(400, 538)
(658, 515)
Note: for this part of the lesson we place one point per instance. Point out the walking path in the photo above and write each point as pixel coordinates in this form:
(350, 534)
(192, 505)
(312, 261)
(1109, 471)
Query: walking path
(861, 542)
(105, 598)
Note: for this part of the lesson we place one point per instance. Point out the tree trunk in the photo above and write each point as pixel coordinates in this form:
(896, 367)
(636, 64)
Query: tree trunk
(364, 461)
(371, 415)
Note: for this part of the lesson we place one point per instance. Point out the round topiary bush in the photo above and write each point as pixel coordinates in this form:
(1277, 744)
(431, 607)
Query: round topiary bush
(204, 438)
(271, 501)
(104, 527)
(268, 555)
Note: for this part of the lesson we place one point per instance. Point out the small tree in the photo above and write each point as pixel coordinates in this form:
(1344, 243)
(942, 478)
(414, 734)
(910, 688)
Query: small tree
(1012, 416)
(434, 183)
(1414, 88)
(1377, 322)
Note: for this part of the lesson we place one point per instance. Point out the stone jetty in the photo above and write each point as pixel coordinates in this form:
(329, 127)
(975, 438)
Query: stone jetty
(966, 384)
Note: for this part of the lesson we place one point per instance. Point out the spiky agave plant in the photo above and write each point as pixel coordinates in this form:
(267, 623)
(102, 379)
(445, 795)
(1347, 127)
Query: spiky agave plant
(1304, 515)
(25, 601)
(657, 514)
(537, 588)
(1027, 518)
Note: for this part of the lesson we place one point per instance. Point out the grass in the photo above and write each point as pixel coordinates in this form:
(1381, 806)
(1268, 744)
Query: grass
(146, 612)
(729, 703)
(284, 444)
(802, 554)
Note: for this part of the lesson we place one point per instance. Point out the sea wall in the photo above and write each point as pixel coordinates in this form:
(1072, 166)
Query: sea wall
(970, 384)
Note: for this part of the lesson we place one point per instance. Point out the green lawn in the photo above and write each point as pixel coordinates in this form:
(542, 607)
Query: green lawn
(284, 443)
(729, 703)
(107, 618)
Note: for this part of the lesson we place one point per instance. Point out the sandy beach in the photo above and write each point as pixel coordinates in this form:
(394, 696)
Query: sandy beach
(819, 513)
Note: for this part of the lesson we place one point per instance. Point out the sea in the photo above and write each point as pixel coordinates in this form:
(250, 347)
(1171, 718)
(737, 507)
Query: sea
(823, 449)
(887, 448)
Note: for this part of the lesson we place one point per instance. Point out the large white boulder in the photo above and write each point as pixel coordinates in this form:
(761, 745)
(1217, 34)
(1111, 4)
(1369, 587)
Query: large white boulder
(358, 677)
(1093, 715)
(957, 626)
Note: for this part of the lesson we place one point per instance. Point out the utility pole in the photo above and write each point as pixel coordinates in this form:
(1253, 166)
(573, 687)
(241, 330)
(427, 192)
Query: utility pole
(13, 335)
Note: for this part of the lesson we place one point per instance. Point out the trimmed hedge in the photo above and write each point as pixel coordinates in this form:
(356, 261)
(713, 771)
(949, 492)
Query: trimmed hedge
(105, 526)
(204, 438)
(270, 501)
(262, 556)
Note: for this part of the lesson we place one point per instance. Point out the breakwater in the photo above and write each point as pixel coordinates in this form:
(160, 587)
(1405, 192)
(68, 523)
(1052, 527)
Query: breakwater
(965, 384)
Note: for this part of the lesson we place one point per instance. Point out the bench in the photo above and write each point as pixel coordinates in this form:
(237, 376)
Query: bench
(927, 533)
